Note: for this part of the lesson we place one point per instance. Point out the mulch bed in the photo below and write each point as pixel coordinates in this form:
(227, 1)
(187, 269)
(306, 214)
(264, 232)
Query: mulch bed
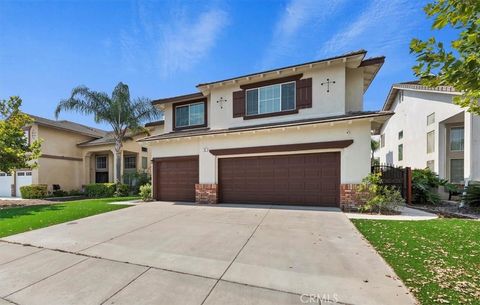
(25, 202)
(449, 210)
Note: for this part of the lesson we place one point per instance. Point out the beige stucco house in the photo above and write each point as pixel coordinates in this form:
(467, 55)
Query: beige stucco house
(74, 155)
(292, 135)
(429, 130)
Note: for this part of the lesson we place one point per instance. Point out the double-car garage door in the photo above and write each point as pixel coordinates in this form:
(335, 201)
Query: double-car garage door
(299, 179)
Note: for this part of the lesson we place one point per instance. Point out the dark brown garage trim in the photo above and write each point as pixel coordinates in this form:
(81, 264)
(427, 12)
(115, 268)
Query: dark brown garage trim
(281, 148)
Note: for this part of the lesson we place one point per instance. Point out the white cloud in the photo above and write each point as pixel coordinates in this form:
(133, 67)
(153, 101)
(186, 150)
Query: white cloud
(175, 41)
(297, 16)
(380, 26)
(183, 44)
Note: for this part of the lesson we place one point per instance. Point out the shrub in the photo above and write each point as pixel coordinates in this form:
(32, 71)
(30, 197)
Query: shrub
(472, 194)
(34, 191)
(75, 193)
(135, 180)
(425, 185)
(97, 190)
(122, 190)
(59, 193)
(146, 192)
(377, 198)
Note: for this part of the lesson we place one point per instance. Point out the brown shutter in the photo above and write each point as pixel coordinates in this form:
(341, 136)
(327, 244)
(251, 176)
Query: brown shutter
(304, 93)
(239, 103)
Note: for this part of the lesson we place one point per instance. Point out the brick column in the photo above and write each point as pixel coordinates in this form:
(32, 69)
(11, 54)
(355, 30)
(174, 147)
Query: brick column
(206, 193)
(348, 196)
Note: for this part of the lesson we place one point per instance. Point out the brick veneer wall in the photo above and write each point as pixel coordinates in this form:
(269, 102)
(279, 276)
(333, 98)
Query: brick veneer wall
(206, 193)
(349, 196)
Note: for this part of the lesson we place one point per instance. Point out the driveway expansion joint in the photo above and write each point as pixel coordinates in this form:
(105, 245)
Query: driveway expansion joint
(238, 253)
(125, 286)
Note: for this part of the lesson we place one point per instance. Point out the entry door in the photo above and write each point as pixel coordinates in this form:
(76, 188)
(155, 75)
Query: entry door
(302, 179)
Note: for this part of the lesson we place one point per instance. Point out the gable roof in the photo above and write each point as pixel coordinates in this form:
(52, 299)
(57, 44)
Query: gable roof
(371, 67)
(414, 86)
(69, 126)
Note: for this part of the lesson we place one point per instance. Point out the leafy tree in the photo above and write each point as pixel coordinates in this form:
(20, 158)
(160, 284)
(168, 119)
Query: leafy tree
(460, 66)
(118, 110)
(15, 150)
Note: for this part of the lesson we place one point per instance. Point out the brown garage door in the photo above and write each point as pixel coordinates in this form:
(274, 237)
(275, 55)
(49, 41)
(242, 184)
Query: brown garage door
(175, 178)
(305, 179)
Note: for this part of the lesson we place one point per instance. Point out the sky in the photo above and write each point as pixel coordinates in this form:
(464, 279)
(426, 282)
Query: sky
(165, 48)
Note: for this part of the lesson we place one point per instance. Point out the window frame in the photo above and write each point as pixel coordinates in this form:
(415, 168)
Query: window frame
(101, 169)
(450, 170)
(400, 148)
(189, 103)
(125, 163)
(431, 115)
(144, 162)
(433, 144)
(400, 134)
(450, 138)
(273, 113)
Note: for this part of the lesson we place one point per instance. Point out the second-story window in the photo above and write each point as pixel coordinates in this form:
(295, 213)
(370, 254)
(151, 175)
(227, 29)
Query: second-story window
(269, 99)
(190, 115)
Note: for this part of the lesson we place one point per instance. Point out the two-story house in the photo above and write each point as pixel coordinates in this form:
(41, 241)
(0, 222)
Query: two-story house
(295, 135)
(429, 130)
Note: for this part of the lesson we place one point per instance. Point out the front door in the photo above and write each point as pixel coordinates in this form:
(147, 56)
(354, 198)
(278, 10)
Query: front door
(101, 169)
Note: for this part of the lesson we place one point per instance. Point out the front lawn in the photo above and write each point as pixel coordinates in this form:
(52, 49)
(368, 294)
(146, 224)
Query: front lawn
(21, 219)
(439, 260)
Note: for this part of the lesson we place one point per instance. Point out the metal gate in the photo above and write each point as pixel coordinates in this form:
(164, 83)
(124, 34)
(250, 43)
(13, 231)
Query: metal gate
(397, 177)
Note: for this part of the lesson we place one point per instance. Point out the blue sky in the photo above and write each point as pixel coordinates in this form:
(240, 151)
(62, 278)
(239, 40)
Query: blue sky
(165, 48)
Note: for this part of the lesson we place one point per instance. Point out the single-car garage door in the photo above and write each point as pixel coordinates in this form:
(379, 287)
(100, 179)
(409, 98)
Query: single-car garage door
(301, 179)
(175, 178)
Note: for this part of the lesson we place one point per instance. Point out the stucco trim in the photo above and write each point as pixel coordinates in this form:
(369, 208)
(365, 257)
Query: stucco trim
(281, 148)
(60, 157)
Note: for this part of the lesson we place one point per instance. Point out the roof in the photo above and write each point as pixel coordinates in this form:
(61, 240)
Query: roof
(319, 120)
(179, 98)
(357, 58)
(415, 86)
(155, 123)
(69, 126)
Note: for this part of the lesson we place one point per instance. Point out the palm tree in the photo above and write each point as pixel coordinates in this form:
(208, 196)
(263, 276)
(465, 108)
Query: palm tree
(374, 145)
(119, 111)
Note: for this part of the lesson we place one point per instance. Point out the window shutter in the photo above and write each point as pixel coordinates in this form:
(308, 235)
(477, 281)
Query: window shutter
(239, 103)
(304, 93)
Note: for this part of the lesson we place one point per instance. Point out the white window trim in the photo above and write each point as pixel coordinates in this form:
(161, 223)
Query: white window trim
(450, 139)
(189, 105)
(101, 168)
(258, 98)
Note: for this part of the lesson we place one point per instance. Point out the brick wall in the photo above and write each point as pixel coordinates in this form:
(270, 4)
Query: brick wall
(348, 196)
(206, 193)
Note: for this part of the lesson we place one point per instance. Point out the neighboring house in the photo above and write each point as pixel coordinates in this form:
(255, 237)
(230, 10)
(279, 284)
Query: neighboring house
(292, 135)
(74, 155)
(428, 130)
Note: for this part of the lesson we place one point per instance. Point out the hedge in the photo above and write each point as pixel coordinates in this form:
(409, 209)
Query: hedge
(34, 191)
(97, 190)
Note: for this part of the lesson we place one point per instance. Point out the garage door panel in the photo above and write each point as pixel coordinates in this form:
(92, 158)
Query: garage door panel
(176, 179)
(304, 179)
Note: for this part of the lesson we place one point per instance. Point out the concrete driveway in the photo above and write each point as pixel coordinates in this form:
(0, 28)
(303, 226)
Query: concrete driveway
(166, 253)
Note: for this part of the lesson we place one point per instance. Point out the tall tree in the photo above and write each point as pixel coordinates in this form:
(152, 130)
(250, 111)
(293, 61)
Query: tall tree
(118, 110)
(16, 151)
(459, 66)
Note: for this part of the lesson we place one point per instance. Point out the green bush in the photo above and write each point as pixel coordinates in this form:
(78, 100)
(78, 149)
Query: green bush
(122, 190)
(135, 180)
(472, 194)
(374, 197)
(98, 190)
(34, 191)
(425, 185)
(146, 192)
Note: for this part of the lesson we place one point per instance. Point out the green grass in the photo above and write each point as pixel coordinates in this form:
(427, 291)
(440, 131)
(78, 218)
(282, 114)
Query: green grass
(439, 260)
(20, 219)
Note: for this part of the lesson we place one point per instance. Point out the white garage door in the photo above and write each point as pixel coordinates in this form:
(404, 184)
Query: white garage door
(23, 178)
(6, 180)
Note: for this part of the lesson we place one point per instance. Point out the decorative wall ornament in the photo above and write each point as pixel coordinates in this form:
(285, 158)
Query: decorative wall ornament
(221, 101)
(328, 82)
